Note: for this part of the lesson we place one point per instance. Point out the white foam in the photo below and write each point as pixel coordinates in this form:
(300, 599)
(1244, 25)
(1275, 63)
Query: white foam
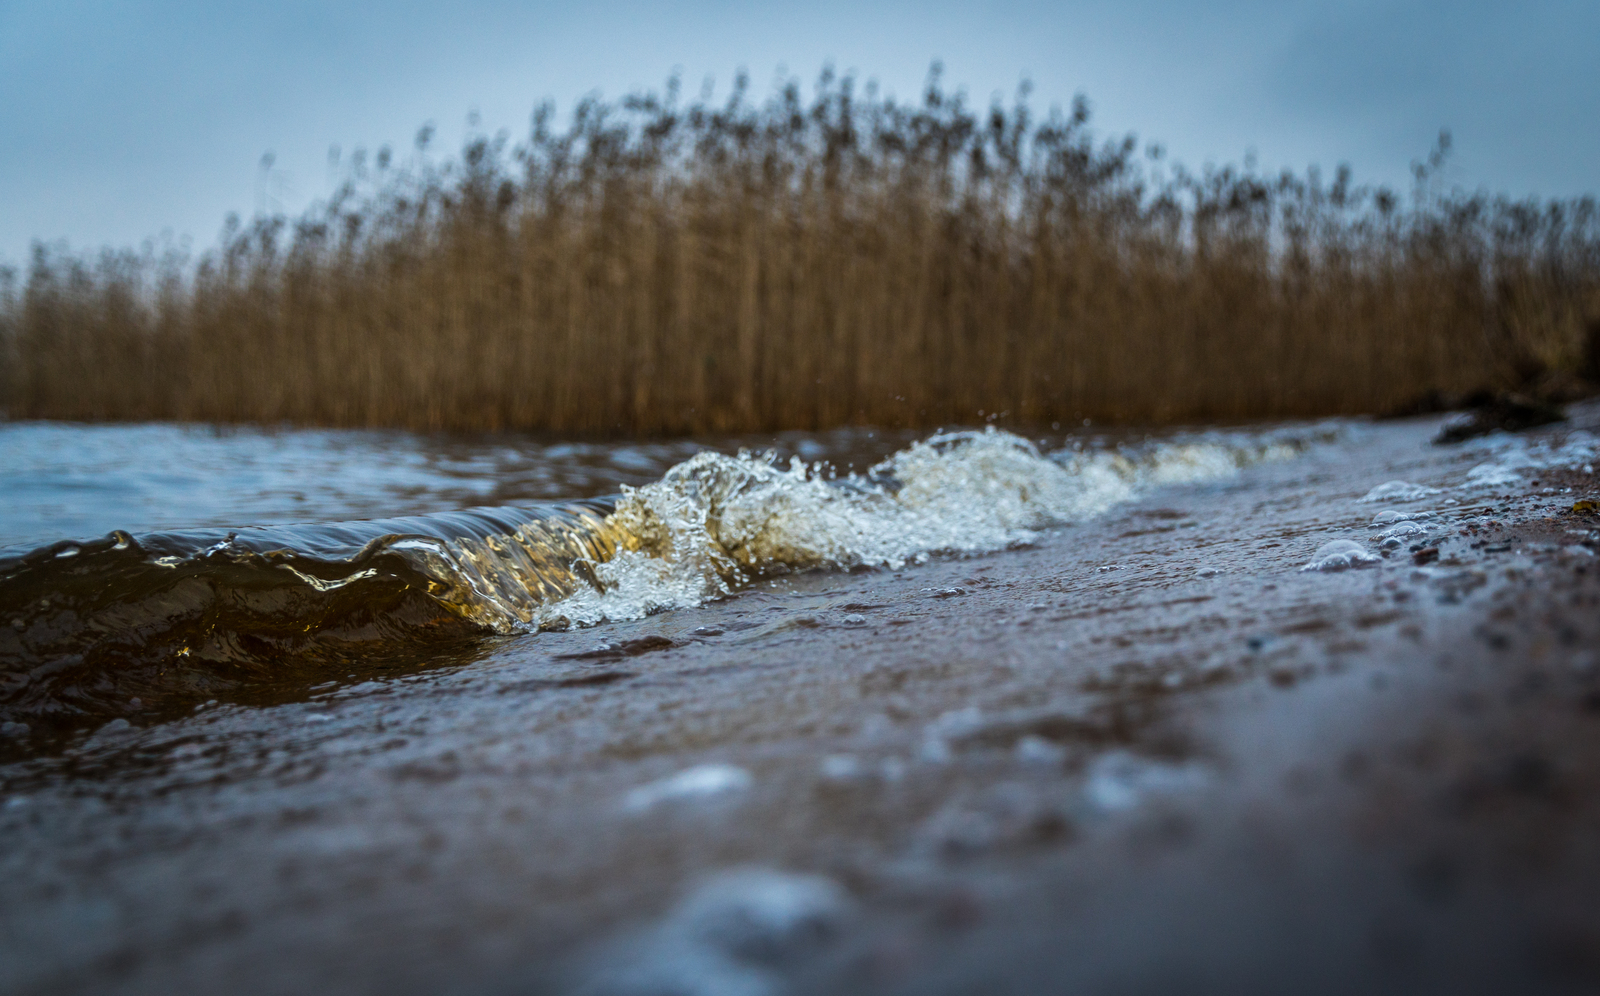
(714, 520)
(840, 767)
(1516, 458)
(760, 916)
(1402, 529)
(698, 782)
(1119, 781)
(1341, 555)
(1397, 491)
(1389, 515)
(1395, 536)
(741, 933)
(1034, 749)
(1492, 475)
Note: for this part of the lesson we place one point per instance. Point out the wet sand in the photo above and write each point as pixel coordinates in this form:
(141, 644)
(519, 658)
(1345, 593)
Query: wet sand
(1146, 754)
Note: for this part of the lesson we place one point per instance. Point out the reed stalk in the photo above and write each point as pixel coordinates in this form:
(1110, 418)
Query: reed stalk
(660, 268)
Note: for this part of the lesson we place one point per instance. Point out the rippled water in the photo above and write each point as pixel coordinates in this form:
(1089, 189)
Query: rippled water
(74, 481)
(148, 568)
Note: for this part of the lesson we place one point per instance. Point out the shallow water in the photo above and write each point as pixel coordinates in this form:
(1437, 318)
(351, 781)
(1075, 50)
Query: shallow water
(74, 481)
(1142, 733)
(151, 568)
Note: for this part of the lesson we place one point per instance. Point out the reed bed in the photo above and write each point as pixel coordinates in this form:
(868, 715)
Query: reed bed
(657, 266)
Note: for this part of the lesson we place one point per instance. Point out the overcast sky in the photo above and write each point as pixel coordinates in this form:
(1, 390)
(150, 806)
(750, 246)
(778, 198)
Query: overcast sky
(121, 120)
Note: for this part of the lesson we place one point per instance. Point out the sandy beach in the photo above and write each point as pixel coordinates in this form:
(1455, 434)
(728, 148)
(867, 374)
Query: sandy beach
(1147, 753)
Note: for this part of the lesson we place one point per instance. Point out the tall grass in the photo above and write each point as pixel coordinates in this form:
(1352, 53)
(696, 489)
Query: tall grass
(665, 267)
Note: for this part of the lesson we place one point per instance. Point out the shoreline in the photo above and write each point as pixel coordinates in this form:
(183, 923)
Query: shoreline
(1145, 753)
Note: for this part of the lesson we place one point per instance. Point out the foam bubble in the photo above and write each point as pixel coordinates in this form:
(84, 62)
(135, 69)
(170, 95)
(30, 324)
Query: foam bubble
(1396, 535)
(1492, 475)
(1341, 555)
(1389, 515)
(1515, 458)
(701, 781)
(1397, 491)
(1402, 529)
(762, 917)
(1119, 781)
(740, 933)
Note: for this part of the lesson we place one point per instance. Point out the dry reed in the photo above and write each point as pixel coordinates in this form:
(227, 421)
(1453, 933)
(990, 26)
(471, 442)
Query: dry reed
(662, 268)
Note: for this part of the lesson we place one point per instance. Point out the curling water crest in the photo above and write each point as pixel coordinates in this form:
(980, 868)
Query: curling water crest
(165, 619)
(156, 623)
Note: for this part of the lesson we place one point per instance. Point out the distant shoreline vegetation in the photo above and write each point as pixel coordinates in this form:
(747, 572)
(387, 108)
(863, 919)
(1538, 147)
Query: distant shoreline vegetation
(669, 267)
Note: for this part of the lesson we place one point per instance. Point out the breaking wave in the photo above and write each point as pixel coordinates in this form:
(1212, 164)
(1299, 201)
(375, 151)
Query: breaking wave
(125, 624)
(714, 521)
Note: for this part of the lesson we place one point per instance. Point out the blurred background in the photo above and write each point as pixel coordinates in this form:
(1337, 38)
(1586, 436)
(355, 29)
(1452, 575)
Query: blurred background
(125, 120)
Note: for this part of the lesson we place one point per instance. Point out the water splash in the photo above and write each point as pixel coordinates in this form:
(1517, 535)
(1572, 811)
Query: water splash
(715, 521)
(169, 619)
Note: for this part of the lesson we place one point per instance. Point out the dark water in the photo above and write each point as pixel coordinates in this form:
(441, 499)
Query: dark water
(145, 569)
(67, 481)
(148, 569)
(1156, 729)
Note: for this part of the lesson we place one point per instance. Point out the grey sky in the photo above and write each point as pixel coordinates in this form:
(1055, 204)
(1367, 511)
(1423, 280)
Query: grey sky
(122, 119)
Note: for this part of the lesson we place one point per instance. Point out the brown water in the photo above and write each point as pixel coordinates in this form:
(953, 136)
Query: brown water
(1143, 750)
(147, 622)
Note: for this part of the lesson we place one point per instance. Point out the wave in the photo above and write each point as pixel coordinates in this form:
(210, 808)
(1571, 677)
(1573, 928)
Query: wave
(126, 625)
(715, 521)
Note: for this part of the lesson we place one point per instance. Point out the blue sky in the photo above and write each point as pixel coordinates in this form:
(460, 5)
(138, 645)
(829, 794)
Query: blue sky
(123, 120)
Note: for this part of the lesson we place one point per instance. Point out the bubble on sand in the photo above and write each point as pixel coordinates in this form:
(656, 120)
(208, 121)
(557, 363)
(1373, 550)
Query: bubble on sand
(958, 722)
(763, 917)
(1119, 781)
(1034, 749)
(1341, 555)
(1390, 515)
(701, 781)
(952, 725)
(1396, 535)
(840, 767)
(1516, 458)
(739, 934)
(1398, 491)
(1492, 475)
(934, 750)
(1402, 526)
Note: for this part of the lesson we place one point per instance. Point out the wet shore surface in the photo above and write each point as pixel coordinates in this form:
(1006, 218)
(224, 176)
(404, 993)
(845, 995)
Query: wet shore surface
(1147, 753)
